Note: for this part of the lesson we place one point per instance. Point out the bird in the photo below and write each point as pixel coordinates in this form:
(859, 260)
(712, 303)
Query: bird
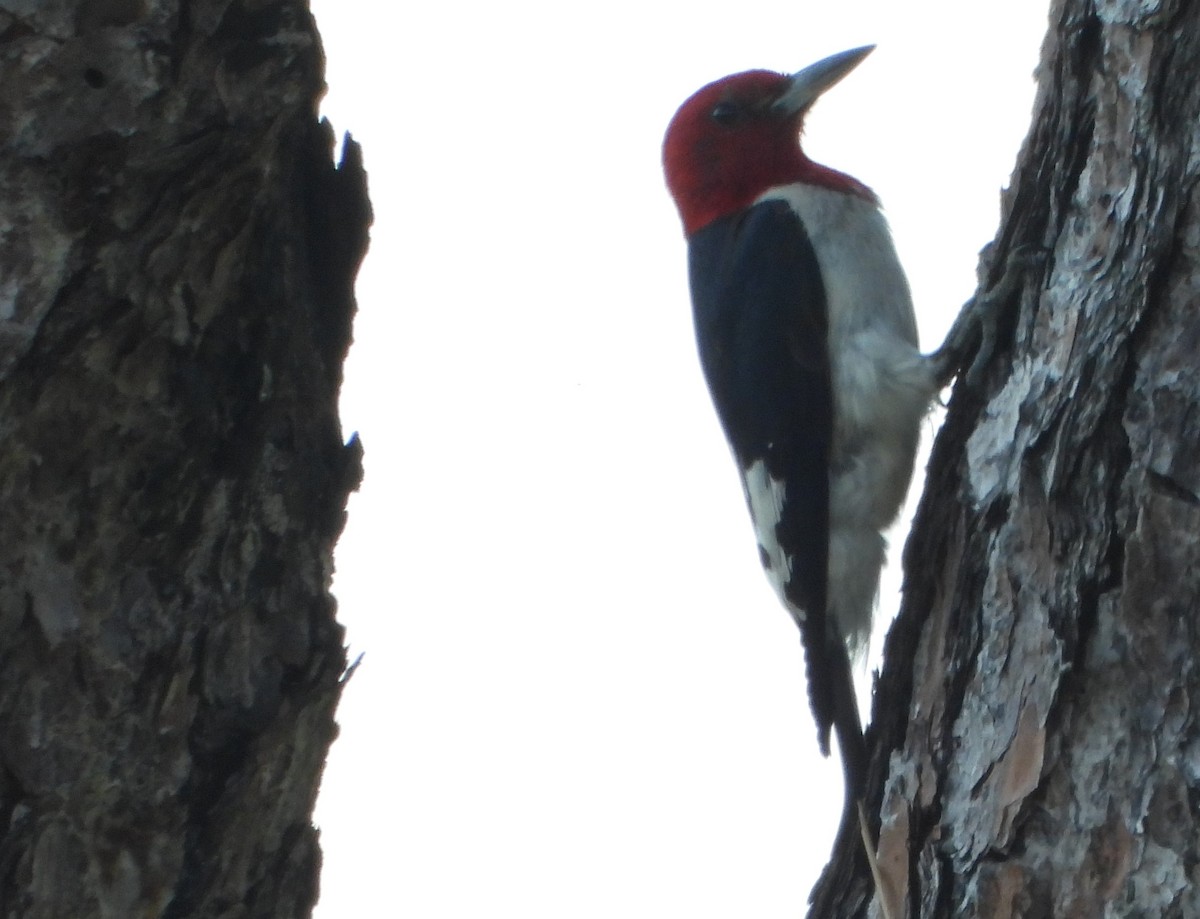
(808, 342)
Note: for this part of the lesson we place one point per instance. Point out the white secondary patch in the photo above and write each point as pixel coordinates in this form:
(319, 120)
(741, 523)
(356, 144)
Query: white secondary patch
(765, 496)
(882, 388)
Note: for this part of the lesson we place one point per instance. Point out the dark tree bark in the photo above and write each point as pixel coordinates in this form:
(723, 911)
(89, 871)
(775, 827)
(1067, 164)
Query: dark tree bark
(1035, 747)
(177, 252)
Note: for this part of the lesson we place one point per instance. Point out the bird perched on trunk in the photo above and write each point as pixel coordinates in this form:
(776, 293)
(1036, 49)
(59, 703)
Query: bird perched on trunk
(808, 342)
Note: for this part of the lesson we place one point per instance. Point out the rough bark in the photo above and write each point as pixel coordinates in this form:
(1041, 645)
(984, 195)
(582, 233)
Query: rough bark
(1035, 747)
(177, 252)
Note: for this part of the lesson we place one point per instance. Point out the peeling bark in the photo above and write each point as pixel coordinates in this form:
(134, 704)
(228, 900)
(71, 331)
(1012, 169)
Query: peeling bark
(1034, 748)
(177, 252)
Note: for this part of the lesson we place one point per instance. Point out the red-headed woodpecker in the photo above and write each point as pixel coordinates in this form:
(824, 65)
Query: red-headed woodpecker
(808, 342)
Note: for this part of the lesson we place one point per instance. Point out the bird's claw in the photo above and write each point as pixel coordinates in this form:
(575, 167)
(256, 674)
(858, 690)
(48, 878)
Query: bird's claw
(1024, 258)
(975, 327)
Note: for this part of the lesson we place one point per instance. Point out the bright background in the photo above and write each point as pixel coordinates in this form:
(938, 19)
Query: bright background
(579, 696)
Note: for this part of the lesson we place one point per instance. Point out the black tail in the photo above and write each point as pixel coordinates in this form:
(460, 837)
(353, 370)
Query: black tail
(835, 707)
(848, 726)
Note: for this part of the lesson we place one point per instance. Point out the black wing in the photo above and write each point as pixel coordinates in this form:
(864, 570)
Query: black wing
(761, 326)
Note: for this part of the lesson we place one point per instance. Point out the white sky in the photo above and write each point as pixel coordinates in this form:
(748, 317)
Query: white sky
(580, 696)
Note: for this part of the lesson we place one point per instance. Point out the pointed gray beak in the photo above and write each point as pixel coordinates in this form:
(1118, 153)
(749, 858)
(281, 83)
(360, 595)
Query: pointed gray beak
(814, 79)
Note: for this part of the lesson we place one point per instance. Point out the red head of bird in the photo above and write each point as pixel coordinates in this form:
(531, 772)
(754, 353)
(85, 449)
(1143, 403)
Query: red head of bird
(738, 137)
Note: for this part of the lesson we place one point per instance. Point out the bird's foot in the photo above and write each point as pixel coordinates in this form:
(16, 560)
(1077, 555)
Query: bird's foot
(975, 328)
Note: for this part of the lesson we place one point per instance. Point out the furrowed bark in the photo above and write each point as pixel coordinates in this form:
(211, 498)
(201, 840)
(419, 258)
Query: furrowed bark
(177, 253)
(1034, 747)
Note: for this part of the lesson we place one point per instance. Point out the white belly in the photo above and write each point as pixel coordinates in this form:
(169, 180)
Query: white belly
(882, 388)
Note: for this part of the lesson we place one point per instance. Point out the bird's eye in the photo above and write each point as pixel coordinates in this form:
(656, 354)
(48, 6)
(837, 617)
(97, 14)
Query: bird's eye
(726, 113)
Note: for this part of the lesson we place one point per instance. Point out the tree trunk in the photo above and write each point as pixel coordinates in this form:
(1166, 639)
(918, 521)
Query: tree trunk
(176, 261)
(1035, 750)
